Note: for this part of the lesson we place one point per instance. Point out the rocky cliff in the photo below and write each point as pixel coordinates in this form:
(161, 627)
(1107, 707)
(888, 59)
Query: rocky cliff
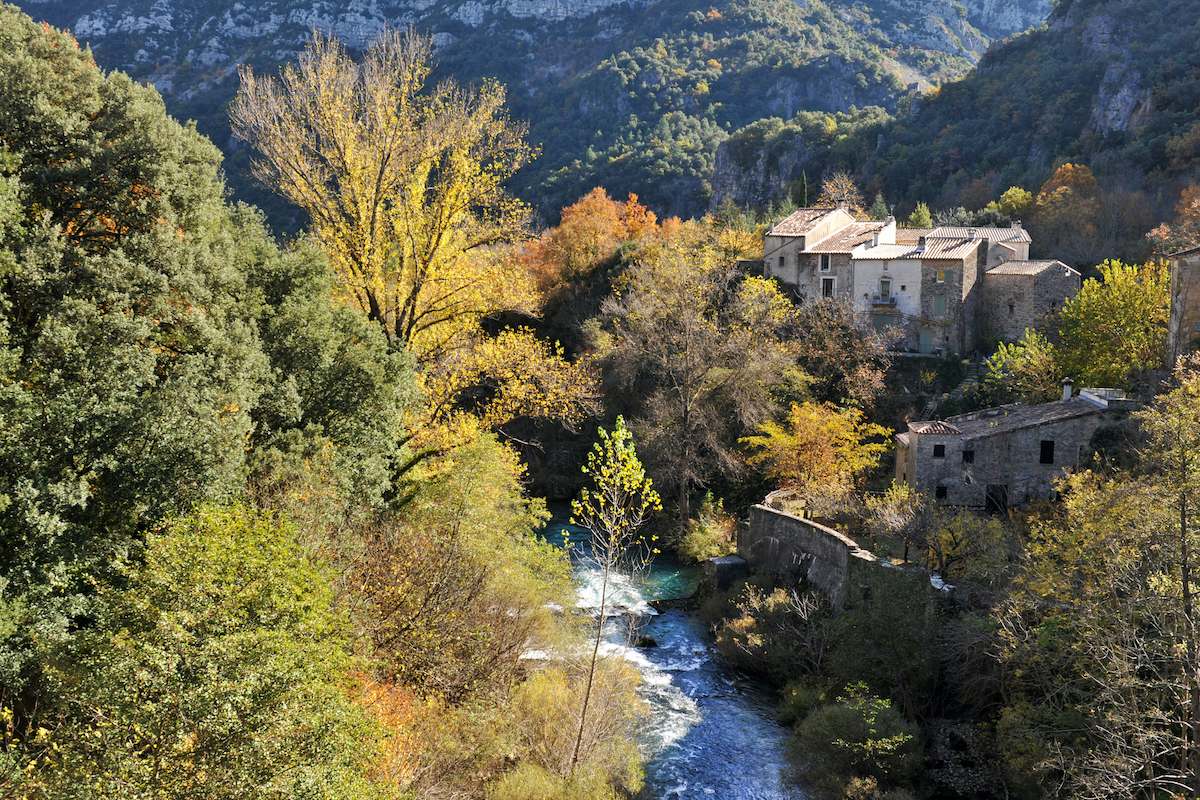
(635, 95)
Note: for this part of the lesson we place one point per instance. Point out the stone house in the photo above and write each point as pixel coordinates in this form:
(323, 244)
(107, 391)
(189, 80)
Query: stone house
(934, 285)
(1006, 456)
(1021, 293)
(1183, 327)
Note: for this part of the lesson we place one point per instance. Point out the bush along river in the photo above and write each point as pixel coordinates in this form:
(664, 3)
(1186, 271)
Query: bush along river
(712, 730)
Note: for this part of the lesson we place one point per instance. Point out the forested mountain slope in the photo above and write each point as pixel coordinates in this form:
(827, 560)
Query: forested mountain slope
(1111, 84)
(635, 96)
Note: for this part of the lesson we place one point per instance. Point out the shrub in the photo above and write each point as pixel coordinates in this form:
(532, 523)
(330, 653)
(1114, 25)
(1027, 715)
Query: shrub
(711, 535)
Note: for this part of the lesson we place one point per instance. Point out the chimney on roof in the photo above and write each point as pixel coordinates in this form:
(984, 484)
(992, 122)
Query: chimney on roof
(921, 244)
(1016, 223)
(875, 240)
(771, 229)
(971, 233)
(1067, 383)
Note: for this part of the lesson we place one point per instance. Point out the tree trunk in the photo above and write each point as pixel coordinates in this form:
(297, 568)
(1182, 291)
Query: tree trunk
(587, 693)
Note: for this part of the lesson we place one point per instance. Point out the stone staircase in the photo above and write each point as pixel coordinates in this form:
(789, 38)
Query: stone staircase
(975, 374)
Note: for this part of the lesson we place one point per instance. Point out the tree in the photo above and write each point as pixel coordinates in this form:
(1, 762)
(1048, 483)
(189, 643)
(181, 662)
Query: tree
(218, 666)
(822, 453)
(840, 189)
(405, 189)
(920, 218)
(1173, 423)
(1184, 232)
(613, 513)
(129, 359)
(843, 358)
(402, 183)
(1016, 202)
(588, 235)
(1025, 371)
(1116, 326)
(698, 347)
(879, 209)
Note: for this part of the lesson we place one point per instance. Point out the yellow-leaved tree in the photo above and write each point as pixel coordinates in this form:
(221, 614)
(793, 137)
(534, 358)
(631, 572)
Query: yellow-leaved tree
(821, 452)
(404, 184)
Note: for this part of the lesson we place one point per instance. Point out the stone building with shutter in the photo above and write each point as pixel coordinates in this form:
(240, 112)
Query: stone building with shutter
(1007, 456)
(934, 285)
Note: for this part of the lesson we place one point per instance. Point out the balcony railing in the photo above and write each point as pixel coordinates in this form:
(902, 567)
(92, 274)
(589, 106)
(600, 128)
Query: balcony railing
(879, 299)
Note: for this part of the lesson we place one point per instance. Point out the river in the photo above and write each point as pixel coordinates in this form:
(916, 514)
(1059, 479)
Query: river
(713, 732)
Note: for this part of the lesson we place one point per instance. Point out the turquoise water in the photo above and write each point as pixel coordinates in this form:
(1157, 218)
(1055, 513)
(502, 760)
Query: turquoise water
(712, 732)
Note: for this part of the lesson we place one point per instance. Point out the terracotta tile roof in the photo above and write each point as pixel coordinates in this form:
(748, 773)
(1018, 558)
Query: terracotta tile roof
(991, 234)
(1181, 253)
(801, 222)
(936, 427)
(902, 438)
(846, 239)
(955, 249)
(911, 235)
(1027, 267)
(888, 251)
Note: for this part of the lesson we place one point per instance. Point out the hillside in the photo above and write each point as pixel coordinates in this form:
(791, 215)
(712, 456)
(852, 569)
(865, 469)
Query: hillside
(1111, 84)
(632, 95)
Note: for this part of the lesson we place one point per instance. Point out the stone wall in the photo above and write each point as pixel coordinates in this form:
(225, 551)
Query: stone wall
(1010, 459)
(792, 548)
(1183, 330)
(1013, 302)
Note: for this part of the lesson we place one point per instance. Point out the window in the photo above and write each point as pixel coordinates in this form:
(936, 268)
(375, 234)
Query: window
(968, 456)
(904, 288)
(1196, 327)
(781, 262)
(827, 287)
(939, 305)
(885, 290)
(940, 493)
(1010, 309)
(826, 262)
(939, 451)
(881, 321)
(943, 275)
(1047, 452)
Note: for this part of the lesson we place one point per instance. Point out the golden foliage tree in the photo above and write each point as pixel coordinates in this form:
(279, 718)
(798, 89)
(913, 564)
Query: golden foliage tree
(404, 184)
(401, 180)
(820, 451)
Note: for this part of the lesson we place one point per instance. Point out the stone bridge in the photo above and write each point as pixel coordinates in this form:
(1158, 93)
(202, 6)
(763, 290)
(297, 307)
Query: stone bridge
(793, 549)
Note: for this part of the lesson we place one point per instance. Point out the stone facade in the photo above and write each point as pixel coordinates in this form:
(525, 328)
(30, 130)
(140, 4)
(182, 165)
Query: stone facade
(1183, 329)
(788, 547)
(932, 285)
(1020, 295)
(1006, 456)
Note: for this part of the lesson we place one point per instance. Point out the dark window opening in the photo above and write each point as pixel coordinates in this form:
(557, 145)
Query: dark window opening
(939, 451)
(996, 499)
(968, 456)
(1047, 452)
(940, 493)
(781, 261)
(1010, 309)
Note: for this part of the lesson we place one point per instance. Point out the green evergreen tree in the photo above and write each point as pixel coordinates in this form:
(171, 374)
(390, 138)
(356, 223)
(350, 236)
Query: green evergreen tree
(879, 209)
(920, 218)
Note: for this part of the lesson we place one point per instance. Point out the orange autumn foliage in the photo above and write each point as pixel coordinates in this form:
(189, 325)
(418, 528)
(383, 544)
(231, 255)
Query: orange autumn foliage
(589, 234)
